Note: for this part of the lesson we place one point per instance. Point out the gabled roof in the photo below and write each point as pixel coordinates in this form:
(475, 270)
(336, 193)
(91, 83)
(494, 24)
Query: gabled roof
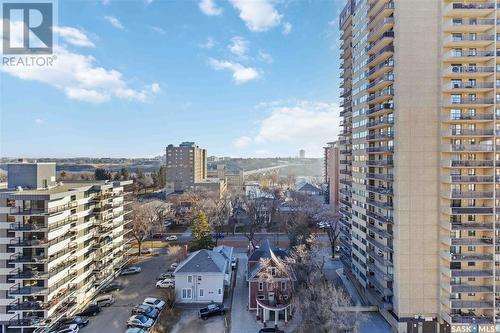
(203, 261)
(306, 187)
(226, 251)
(264, 252)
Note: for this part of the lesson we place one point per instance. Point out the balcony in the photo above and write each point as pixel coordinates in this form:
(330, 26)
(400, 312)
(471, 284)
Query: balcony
(384, 122)
(379, 217)
(380, 190)
(469, 71)
(385, 276)
(377, 46)
(470, 210)
(383, 53)
(380, 176)
(380, 204)
(383, 163)
(19, 290)
(457, 194)
(383, 290)
(465, 87)
(468, 25)
(382, 108)
(469, 257)
(383, 68)
(473, 9)
(471, 226)
(467, 318)
(377, 14)
(466, 288)
(468, 117)
(468, 148)
(381, 96)
(467, 132)
(381, 82)
(376, 32)
(62, 208)
(466, 102)
(478, 40)
(472, 273)
(468, 163)
(468, 179)
(380, 149)
(459, 304)
(471, 241)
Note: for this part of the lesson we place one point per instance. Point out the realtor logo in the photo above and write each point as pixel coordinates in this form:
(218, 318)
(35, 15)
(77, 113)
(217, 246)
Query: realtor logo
(27, 27)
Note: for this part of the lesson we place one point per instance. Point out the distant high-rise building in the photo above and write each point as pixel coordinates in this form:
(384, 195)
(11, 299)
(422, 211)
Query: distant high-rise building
(302, 153)
(61, 243)
(332, 172)
(185, 165)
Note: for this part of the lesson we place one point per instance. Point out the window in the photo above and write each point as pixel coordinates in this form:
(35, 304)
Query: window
(261, 297)
(199, 277)
(201, 292)
(187, 293)
(273, 271)
(261, 286)
(219, 291)
(190, 279)
(283, 285)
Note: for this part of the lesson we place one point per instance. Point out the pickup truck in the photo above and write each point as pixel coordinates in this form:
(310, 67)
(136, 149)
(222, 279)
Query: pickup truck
(212, 310)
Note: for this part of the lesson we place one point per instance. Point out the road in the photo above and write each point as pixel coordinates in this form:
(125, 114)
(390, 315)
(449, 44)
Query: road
(113, 319)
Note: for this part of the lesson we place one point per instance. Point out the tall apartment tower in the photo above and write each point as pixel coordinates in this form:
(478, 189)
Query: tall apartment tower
(185, 166)
(332, 172)
(59, 244)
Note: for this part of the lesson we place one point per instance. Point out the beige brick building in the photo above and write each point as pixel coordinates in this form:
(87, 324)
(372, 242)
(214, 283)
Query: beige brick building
(185, 166)
(418, 158)
(332, 172)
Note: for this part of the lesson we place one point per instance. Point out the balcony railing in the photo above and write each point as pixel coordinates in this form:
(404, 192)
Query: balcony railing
(477, 116)
(388, 48)
(457, 194)
(384, 106)
(471, 179)
(380, 190)
(471, 210)
(380, 149)
(384, 121)
(474, 101)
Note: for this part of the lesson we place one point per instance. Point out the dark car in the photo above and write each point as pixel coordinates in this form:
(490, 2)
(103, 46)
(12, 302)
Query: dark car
(270, 330)
(80, 321)
(111, 287)
(212, 310)
(146, 310)
(91, 310)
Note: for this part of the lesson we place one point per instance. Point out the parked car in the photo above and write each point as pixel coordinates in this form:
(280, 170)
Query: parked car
(233, 263)
(104, 300)
(80, 321)
(270, 330)
(140, 321)
(111, 287)
(91, 310)
(167, 283)
(212, 310)
(156, 302)
(131, 270)
(171, 238)
(73, 328)
(146, 250)
(174, 265)
(168, 275)
(146, 310)
(135, 330)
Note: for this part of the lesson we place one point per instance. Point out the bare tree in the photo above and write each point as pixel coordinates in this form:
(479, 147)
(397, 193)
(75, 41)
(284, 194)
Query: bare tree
(317, 300)
(258, 216)
(329, 218)
(146, 218)
(176, 253)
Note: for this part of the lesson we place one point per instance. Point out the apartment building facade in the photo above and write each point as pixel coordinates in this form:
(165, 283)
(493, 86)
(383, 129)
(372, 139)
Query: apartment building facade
(59, 244)
(230, 173)
(332, 173)
(393, 215)
(185, 166)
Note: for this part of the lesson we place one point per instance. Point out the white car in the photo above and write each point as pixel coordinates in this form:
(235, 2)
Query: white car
(171, 238)
(156, 302)
(140, 321)
(73, 328)
(136, 330)
(131, 270)
(167, 283)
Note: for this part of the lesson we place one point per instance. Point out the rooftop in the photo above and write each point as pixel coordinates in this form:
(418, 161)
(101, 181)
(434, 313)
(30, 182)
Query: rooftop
(203, 261)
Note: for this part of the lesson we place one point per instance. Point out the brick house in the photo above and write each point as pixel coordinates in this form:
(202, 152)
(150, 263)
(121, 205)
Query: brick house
(268, 292)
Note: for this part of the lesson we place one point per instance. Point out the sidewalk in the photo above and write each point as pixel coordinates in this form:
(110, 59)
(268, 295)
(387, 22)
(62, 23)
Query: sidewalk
(353, 292)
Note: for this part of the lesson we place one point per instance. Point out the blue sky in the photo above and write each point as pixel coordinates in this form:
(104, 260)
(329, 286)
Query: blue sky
(241, 78)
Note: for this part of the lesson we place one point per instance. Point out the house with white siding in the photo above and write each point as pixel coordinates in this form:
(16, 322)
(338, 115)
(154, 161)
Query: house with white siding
(204, 276)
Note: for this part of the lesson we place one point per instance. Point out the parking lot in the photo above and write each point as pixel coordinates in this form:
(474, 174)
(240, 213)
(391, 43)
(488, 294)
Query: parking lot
(137, 287)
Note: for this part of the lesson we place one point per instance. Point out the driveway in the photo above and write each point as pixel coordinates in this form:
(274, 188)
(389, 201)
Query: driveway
(190, 323)
(242, 320)
(137, 287)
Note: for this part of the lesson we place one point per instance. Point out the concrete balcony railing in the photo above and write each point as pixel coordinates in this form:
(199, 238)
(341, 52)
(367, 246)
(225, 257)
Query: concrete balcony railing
(380, 162)
(460, 304)
(380, 149)
(379, 217)
(470, 226)
(471, 241)
(457, 194)
(388, 8)
(467, 318)
(384, 52)
(467, 132)
(470, 101)
(471, 273)
(380, 190)
(380, 122)
(478, 38)
(467, 288)
(469, 257)
(469, 210)
(469, 163)
(385, 23)
(469, 86)
(472, 70)
(384, 67)
(380, 176)
(476, 7)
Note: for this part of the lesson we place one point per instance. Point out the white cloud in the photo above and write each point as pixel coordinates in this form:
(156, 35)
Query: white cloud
(208, 7)
(287, 28)
(105, 2)
(208, 44)
(265, 57)
(73, 36)
(39, 121)
(80, 78)
(241, 74)
(148, 2)
(159, 30)
(238, 46)
(258, 15)
(115, 22)
(242, 142)
(304, 124)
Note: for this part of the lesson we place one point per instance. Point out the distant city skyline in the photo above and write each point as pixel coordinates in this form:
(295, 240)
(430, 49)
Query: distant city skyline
(215, 74)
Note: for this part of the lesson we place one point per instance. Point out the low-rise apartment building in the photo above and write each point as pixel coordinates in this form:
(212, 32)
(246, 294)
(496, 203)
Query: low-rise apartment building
(230, 173)
(59, 243)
